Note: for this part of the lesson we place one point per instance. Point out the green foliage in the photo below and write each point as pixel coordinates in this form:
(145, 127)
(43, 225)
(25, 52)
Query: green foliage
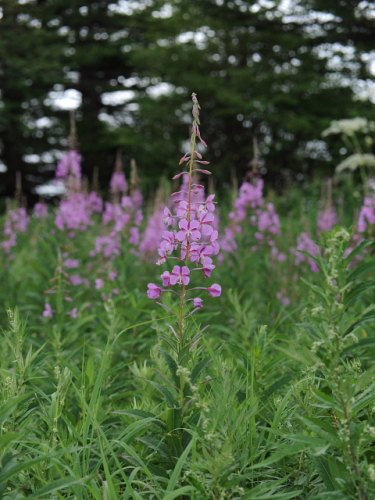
(269, 402)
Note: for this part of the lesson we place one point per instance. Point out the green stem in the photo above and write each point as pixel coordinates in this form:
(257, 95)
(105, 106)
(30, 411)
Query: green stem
(182, 296)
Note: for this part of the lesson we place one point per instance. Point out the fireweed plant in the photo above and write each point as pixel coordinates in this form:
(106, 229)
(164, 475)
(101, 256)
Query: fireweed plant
(193, 243)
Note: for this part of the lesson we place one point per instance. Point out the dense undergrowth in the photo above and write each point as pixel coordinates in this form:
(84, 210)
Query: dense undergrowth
(267, 392)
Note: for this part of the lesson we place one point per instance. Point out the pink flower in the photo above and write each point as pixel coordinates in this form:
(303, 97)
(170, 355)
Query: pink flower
(189, 230)
(48, 313)
(118, 182)
(214, 290)
(74, 313)
(198, 302)
(71, 263)
(209, 203)
(154, 291)
(180, 275)
(41, 210)
(99, 283)
(205, 220)
(214, 243)
(113, 275)
(168, 221)
(208, 267)
(166, 277)
(168, 244)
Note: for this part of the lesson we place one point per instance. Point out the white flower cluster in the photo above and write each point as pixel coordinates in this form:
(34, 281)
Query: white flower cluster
(349, 126)
(356, 160)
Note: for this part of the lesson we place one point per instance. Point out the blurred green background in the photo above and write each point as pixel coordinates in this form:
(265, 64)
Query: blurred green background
(271, 73)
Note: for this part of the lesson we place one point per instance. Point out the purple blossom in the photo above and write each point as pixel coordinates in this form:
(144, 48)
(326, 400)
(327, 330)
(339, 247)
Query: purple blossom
(153, 232)
(113, 275)
(327, 219)
(135, 236)
(268, 220)
(48, 312)
(99, 283)
(189, 230)
(71, 263)
(168, 221)
(180, 275)
(196, 238)
(208, 267)
(367, 214)
(169, 243)
(74, 213)
(214, 290)
(154, 291)
(69, 165)
(118, 183)
(41, 210)
(109, 246)
(206, 220)
(166, 277)
(306, 244)
(16, 221)
(76, 280)
(74, 313)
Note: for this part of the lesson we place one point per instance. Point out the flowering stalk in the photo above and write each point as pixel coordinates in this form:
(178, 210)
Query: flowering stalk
(196, 239)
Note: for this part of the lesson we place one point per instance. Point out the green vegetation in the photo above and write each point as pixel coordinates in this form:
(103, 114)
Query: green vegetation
(275, 402)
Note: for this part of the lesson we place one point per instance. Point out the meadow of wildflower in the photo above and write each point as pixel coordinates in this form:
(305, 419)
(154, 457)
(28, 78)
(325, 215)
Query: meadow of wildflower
(202, 346)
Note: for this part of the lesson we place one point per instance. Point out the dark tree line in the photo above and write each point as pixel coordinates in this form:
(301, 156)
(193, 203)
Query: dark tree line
(279, 77)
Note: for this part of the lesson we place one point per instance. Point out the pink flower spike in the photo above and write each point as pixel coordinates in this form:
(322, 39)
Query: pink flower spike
(154, 291)
(180, 275)
(214, 290)
(198, 302)
(166, 276)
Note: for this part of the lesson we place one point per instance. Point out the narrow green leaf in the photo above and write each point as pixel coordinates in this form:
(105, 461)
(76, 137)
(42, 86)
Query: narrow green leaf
(7, 408)
(177, 493)
(357, 250)
(163, 390)
(157, 446)
(286, 451)
(174, 419)
(316, 289)
(141, 414)
(199, 368)
(322, 466)
(9, 437)
(57, 485)
(322, 428)
(177, 470)
(172, 365)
